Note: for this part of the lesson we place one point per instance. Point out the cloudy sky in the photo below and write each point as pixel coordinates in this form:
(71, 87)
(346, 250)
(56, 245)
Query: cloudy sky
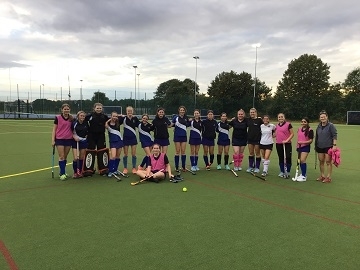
(45, 42)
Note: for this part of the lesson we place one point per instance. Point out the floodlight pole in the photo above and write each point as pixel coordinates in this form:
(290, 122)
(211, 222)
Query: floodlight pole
(196, 58)
(138, 87)
(255, 77)
(81, 96)
(135, 67)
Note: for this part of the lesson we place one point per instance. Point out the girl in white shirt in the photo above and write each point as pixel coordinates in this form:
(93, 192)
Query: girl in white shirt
(266, 142)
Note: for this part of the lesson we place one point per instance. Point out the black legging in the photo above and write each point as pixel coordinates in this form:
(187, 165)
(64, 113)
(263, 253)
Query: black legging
(96, 141)
(280, 152)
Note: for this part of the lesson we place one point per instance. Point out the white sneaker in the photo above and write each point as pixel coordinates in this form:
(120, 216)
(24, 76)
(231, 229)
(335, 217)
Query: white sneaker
(249, 170)
(236, 169)
(193, 168)
(256, 170)
(197, 168)
(239, 168)
(301, 178)
(264, 174)
(281, 174)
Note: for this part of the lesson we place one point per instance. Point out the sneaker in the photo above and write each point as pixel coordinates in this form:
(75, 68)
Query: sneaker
(239, 168)
(110, 174)
(193, 168)
(133, 170)
(301, 178)
(236, 169)
(256, 170)
(264, 173)
(197, 168)
(208, 167)
(281, 174)
(125, 171)
(218, 167)
(177, 170)
(227, 167)
(249, 170)
(63, 177)
(286, 176)
(327, 180)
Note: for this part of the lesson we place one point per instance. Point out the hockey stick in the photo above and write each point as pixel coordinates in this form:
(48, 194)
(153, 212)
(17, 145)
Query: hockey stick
(234, 173)
(297, 168)
(53, 161)
(190, 171)
(142, 180)
(316, 159)
(258, 176)
(77, 159)
(285, 166)
(123, 174)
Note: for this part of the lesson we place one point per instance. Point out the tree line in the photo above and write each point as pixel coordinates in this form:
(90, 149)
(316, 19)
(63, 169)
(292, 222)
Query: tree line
(304, 90)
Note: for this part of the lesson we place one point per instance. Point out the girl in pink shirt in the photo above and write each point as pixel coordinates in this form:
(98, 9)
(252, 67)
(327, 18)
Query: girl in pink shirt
(284, 133)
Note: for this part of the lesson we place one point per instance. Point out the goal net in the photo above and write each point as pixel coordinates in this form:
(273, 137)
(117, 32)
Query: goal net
(353, 118)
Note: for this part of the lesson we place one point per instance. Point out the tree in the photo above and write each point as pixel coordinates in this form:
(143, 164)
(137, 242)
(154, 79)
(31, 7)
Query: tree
(231, 91)
(99, 97)
(352, 81)
(173, 93)
(302, 86)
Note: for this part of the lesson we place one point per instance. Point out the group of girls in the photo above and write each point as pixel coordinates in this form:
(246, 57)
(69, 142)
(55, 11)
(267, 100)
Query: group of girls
(88, 132)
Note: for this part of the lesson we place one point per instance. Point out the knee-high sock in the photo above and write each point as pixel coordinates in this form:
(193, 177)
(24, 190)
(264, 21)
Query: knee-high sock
(133, 159)
(192, 161)
(177, 159)
(236, 160)
(218, 159)
(196, 160)
(211, 158)
(251, 161)
(74, 165)
(183, 161)
(240, 157)
(303, 167)
(206, 160)
(266, 165)
(125, 158)
(111, 165)
(81, 161)
(226, 159)
(62, 164)
(257, 163)
(116, 164)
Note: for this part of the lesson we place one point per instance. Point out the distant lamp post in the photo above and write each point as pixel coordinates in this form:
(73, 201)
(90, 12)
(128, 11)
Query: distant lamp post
(138, 87)
(196, 58)
(135, 67)
(42, 111)
(256, 47)
(81, 95)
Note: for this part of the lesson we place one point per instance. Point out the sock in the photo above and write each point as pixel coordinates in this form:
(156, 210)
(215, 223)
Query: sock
(240, 157)
(218, 158)
(303, 167)
(116, 165)
(183, 161)
(192, 161)
(206, 160)
(81, 165)
(111, 165)
(196, 160)
(74, 166)
(251, 162)
(282, 169)
(236, 162)
(62, 164)
(177, 159)
(133, 160)
(144, 161)
(226, 159)
(211, 158)
(266, 165)
(125, 161)
(258, 160)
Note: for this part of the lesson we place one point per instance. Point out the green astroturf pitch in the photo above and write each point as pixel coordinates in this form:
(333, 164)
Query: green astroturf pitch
(221, 222)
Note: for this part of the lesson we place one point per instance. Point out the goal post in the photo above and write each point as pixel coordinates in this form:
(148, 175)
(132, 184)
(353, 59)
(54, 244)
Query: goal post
(353, 118)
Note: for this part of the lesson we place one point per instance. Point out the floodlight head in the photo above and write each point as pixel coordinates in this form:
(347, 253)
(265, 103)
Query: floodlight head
(196, 57)
(135, 66)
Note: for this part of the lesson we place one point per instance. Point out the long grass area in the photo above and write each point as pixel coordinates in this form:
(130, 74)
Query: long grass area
(221, 222)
